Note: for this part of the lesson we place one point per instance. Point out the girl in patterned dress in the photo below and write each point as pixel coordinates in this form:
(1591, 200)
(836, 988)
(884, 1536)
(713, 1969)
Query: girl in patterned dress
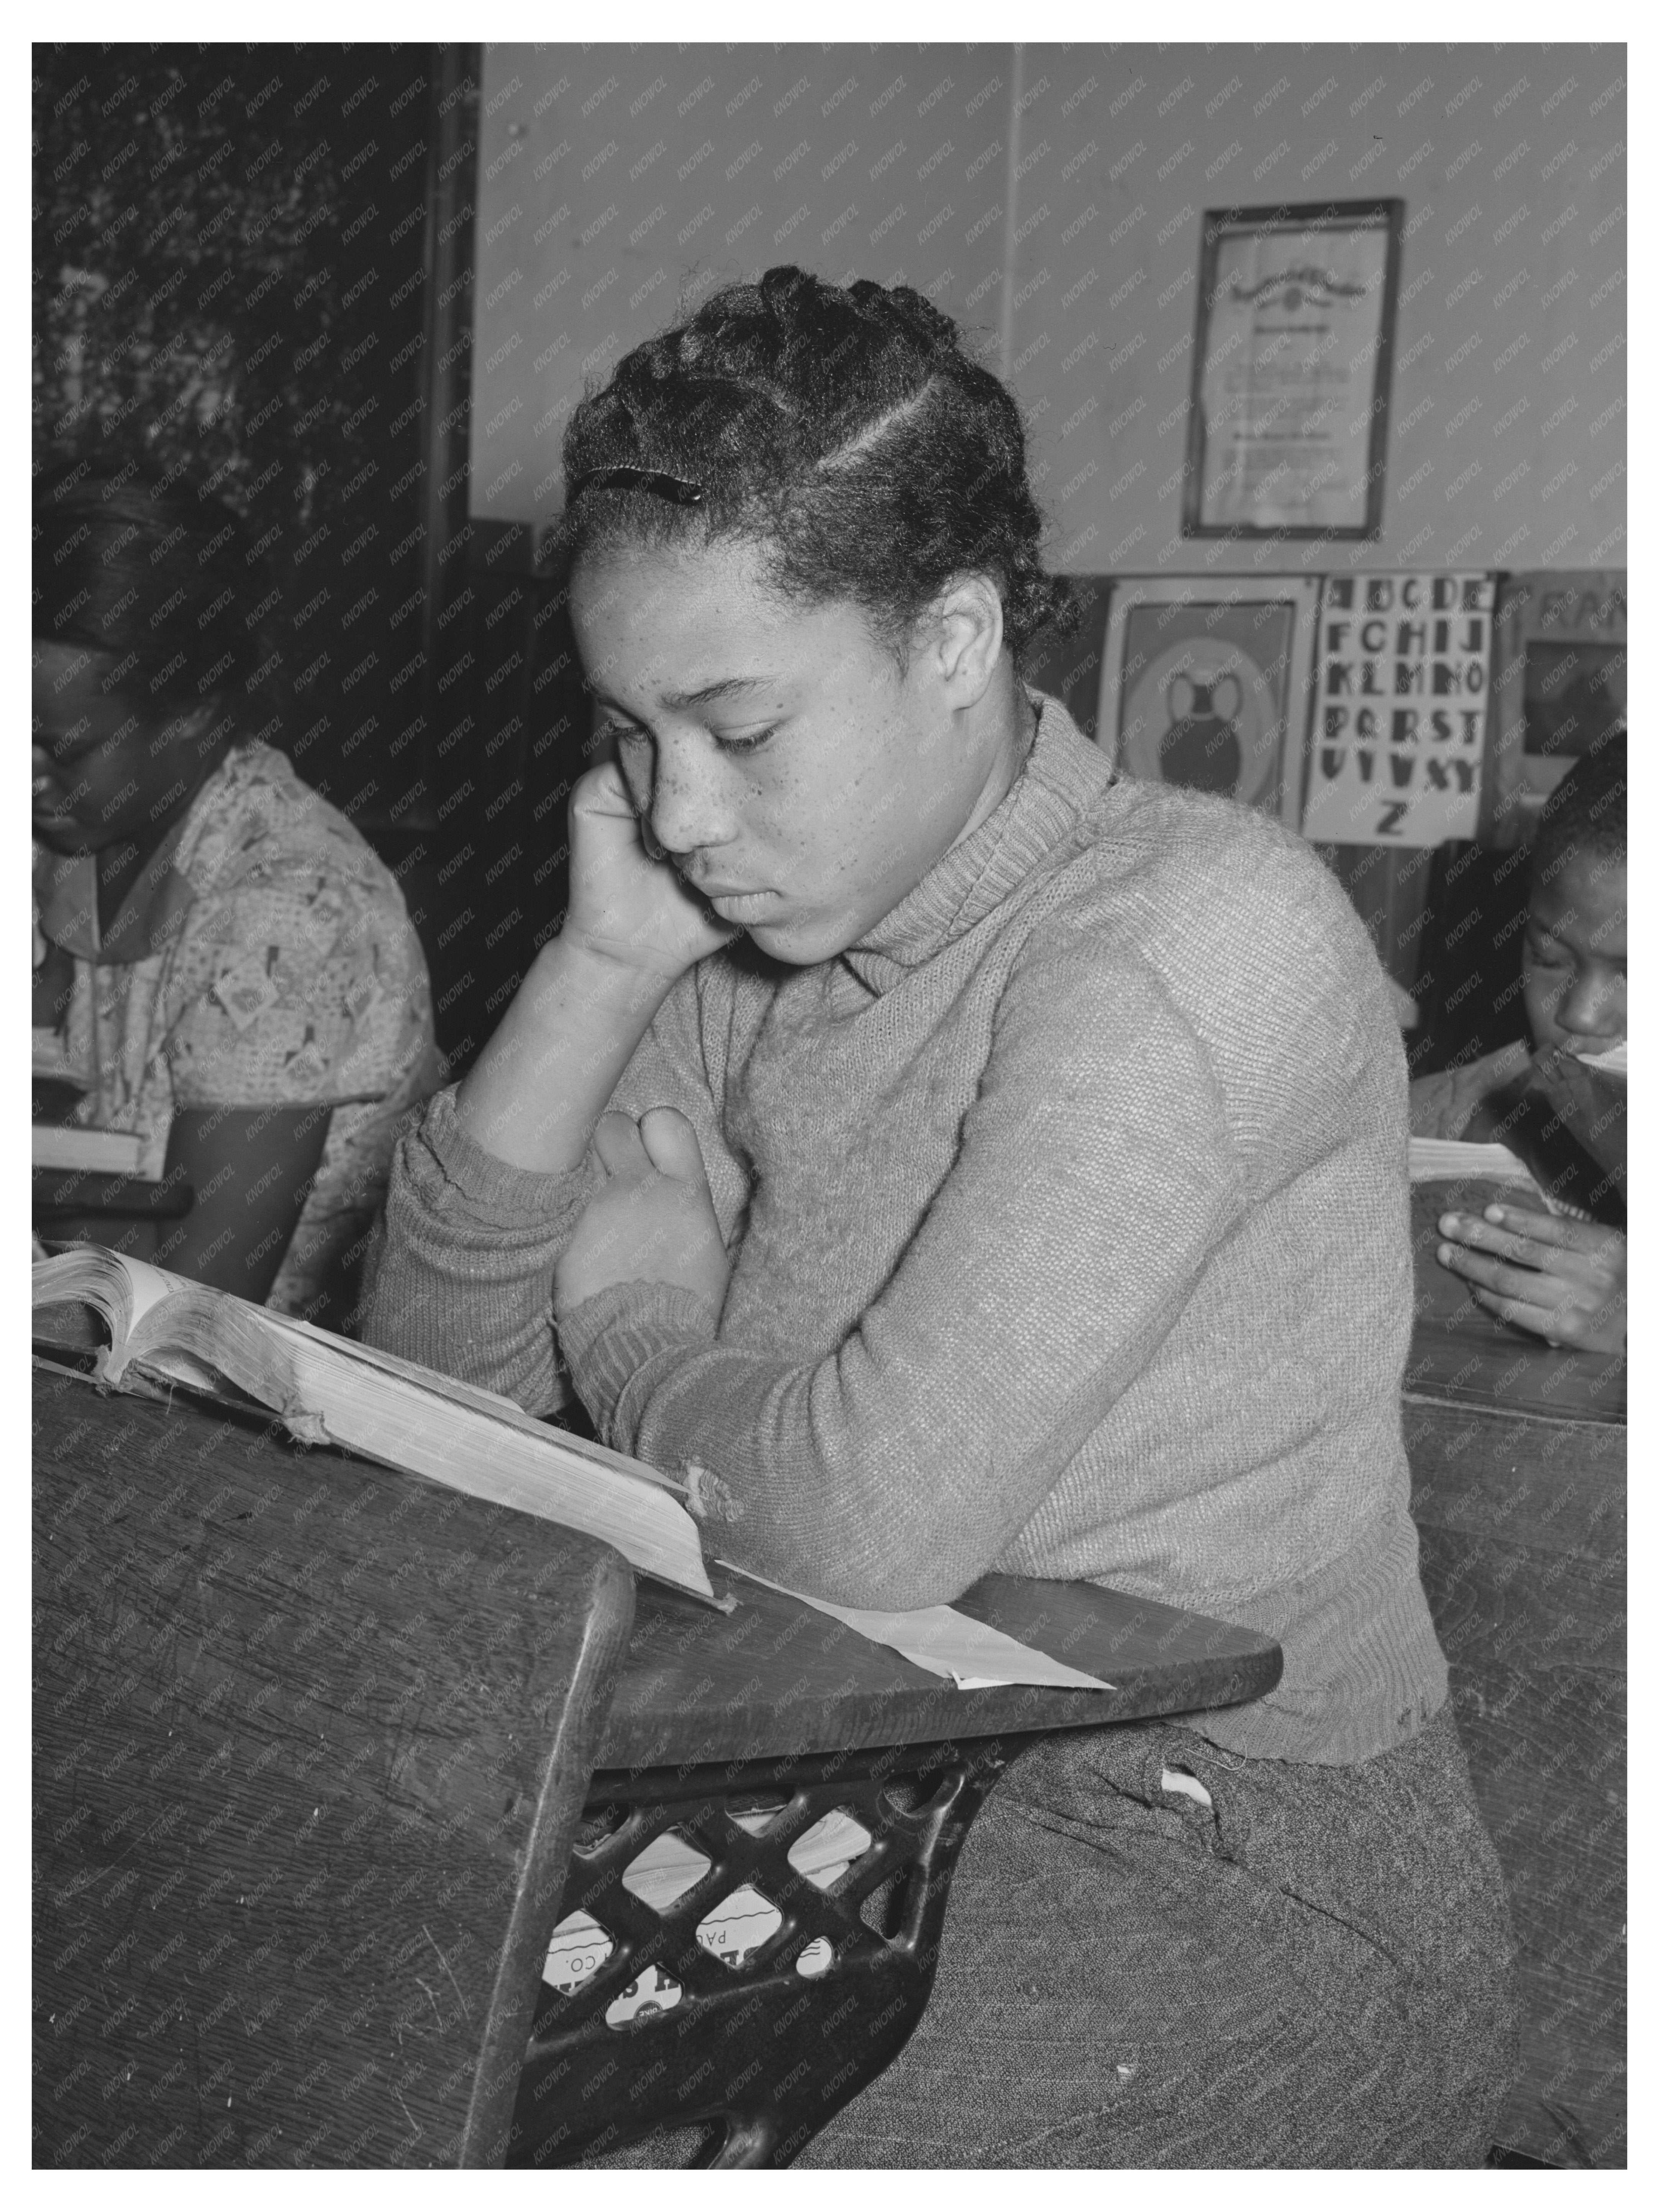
(223, 967)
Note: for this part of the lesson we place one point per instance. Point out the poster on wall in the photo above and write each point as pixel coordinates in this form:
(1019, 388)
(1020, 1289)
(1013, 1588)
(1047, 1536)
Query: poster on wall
(1288, 429)
(1561, 682)
(1400, 716)
(1207, 685)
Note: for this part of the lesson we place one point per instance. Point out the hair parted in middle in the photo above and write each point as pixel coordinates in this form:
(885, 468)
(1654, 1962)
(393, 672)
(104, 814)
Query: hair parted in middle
(842, 427)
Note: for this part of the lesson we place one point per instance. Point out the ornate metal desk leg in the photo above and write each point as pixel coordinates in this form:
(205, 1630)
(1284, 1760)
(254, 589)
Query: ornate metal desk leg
(763, 2044)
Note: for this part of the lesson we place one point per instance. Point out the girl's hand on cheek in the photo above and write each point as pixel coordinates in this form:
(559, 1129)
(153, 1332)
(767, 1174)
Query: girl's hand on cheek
(652, 1221)
(626, 905)
(1557, 1279)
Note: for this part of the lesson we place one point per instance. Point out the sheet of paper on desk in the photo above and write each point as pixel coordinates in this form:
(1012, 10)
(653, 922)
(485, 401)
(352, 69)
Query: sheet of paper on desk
(946, 1642)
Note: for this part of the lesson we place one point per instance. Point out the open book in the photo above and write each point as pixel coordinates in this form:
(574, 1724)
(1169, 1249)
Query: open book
(1551, 1168)
(326, 1389)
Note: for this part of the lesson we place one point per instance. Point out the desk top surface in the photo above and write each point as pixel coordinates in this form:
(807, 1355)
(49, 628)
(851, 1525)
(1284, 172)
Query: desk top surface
(1464, 1355)
(774, 1679)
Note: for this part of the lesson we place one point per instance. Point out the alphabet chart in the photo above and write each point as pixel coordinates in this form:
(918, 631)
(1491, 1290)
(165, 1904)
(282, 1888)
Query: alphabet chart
(1404, 665)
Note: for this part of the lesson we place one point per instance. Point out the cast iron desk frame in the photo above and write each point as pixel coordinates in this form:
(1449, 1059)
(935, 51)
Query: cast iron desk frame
(815, 1719)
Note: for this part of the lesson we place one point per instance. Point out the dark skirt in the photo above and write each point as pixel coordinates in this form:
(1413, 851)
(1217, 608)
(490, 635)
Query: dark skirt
(1315, 1970)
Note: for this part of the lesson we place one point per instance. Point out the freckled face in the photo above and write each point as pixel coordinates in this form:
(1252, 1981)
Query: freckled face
(1574, 965)
(795, 776)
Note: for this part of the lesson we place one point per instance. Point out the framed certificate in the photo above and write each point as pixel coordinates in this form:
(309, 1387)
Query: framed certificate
(1288, 431)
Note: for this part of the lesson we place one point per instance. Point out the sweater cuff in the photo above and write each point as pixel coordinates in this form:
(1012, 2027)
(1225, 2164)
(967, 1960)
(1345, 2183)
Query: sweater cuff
(491, 1190)
(608, 1339)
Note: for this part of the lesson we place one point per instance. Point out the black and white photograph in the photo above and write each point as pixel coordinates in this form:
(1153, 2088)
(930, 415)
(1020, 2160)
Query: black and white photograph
(828, 1224)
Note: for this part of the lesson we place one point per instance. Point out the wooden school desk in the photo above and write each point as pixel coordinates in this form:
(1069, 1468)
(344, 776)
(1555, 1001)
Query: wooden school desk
(323, 1752)
(1518, 1470)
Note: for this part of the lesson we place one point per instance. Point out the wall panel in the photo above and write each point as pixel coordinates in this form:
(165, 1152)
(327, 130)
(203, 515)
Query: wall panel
(616, 183)
(1052, 198)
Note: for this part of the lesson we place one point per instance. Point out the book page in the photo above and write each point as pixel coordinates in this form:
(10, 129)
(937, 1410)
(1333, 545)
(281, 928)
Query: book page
(946, 1641)
(1614, 1061)
(473, 1395)
(327, 1391)
(1448, 1159)
(149, 1287)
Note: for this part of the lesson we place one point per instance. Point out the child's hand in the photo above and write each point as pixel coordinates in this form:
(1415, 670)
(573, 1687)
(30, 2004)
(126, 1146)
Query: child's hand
(1561, 1279)
(627, 902)
(1592, 1106)
(652, 1221)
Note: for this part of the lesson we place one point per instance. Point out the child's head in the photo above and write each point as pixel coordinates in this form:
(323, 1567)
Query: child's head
(140, 634)
(803, 561)
(843, 429)
(1573, 967)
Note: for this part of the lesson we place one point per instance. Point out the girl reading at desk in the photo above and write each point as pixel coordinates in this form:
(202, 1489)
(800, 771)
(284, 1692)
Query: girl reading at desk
(950, 1157)
(1551, 1274)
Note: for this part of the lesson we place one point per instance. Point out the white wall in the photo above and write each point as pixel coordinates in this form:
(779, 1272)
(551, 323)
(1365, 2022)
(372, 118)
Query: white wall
(1051, 197)
(614, 183)
(1507, 428)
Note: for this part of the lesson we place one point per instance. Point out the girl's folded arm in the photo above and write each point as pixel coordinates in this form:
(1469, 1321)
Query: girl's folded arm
(1086, 1199)
(462, 1278)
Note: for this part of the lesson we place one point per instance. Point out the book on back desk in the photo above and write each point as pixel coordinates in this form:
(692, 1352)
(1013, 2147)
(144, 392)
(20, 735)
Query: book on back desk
(92, 1152)
(1561, 1124)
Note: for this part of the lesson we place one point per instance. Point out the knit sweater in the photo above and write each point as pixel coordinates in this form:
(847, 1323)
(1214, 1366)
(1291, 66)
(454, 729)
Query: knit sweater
(1068, 1219)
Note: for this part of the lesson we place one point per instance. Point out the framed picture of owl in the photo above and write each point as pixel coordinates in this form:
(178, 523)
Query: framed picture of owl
(1208, 683)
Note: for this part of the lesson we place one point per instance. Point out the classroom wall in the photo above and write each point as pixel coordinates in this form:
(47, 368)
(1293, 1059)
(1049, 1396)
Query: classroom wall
(1052, 198)
(1507, 427)
(614, 183)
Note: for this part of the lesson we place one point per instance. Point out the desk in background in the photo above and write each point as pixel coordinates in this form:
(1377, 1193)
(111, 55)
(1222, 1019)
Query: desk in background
(1518, 1468)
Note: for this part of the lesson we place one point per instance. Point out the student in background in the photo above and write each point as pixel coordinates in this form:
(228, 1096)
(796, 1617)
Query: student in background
(1001, 1169)
(222, 966)
(1551, 1275)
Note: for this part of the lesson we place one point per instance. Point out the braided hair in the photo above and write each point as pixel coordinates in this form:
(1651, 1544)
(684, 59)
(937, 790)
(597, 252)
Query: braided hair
(844, 428)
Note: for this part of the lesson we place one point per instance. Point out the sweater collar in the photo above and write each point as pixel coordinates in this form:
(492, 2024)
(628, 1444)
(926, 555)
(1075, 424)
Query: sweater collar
(1063, 774)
